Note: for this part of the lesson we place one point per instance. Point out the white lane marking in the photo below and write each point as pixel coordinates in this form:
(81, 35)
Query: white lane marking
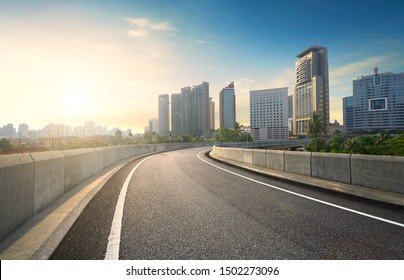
(303, 196)
(114, 238)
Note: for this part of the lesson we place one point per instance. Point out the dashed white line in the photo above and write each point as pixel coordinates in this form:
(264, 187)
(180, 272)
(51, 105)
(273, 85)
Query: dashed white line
(303, 196)
(114, 238)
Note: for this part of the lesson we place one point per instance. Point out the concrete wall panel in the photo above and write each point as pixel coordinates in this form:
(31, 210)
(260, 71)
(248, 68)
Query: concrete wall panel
(48, 178)
(16, 191)
(298, 163)
(335, 167)
(259, 157)
(275, 160)
(247, 156)
(379, 172)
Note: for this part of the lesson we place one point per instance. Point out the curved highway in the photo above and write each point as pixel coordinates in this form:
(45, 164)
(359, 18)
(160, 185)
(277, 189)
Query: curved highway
(184, 205)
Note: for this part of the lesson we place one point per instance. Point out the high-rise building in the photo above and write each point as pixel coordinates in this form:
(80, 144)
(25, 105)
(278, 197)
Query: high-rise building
(269, 114)
(176, 117)
(200, 110)
(153, 125)
(164, 115)
(227, 106)
(212, 114)
(23, 130)
(377, 103)
(311, 90)
(186, 110)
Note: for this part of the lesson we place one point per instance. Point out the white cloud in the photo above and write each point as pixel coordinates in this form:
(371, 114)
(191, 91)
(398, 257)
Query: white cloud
(144, 26)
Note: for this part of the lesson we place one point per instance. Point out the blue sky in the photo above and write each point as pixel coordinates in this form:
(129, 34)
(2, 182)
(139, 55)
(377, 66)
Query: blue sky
(107, 61)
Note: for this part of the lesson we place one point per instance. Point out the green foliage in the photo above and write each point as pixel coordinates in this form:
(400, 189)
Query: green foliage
(382, 144)
(315, 128)
(234, 134)
(318, 144)
(5, 144)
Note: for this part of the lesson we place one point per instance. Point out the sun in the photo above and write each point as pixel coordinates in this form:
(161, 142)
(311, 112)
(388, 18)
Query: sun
(75, 102)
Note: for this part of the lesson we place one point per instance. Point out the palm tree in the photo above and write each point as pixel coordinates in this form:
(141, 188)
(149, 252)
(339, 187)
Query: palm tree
(237, 130)
(315, 128)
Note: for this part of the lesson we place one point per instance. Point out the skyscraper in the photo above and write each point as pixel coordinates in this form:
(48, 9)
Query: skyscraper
(377, 103)
(212, 114)
(186, 110)
(200, 110)
(311, 90)
(164, 115)
(227, 106)
(176, 114)
(269, 114)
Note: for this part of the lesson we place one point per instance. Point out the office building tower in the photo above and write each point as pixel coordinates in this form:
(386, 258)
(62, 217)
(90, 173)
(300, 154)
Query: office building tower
(153, 125)
(175, 114)
(186, 110)
(377, 103)
(311, 90)
(227, 106)
(23, 130)
(164, 115)
(200, 117)
(212, 114)
(269, 114)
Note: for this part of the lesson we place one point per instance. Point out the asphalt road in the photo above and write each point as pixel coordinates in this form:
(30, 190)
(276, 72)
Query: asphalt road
(178, 206)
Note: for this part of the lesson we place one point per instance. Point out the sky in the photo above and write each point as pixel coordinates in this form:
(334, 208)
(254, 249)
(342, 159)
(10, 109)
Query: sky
(67, 62)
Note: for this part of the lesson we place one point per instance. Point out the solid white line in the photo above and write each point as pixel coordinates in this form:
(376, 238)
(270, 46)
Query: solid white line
(114, 238)
(304, 196)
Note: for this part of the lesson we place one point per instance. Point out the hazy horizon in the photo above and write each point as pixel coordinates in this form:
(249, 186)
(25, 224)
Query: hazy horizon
(69, 62)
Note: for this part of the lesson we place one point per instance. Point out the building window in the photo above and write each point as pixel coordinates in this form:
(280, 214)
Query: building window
(377, 104)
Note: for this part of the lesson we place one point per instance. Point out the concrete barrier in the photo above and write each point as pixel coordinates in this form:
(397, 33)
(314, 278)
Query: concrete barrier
(16, 191)
(30, 182)
(259, 157)
(275, 160)
(298, 163)
(48, 178)
(335, 167)
(248, 156)
(379, 172)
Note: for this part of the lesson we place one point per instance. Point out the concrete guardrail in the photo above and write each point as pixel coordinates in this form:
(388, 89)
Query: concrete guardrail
(31, 182)
(378, 172)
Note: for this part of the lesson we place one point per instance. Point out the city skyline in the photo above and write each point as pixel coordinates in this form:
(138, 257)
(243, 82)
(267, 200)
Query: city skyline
(68, 62)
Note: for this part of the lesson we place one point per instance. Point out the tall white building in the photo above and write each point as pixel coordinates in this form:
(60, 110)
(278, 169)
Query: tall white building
(269, 114)
(311, 93)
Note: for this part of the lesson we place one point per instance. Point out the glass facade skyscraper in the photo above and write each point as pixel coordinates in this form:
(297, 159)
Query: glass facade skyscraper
(164, 115)
(311, 91)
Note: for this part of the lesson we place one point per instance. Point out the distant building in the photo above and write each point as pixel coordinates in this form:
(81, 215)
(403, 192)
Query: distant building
(7, 130)
(164, 115)
(153, 125)
(23, 130)
(269, 114)
(212, 114)
(334, 127)
(227, 106)
(200, 117)
(377, 103)
(311, 90)
(186, 110)
(175, 114)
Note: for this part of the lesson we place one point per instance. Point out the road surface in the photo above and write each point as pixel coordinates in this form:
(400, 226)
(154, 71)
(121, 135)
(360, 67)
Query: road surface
(184, 205)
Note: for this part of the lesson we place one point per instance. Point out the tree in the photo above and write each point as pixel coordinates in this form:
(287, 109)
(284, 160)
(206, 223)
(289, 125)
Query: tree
(237, 130)
(5, 144)
(315, 128)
